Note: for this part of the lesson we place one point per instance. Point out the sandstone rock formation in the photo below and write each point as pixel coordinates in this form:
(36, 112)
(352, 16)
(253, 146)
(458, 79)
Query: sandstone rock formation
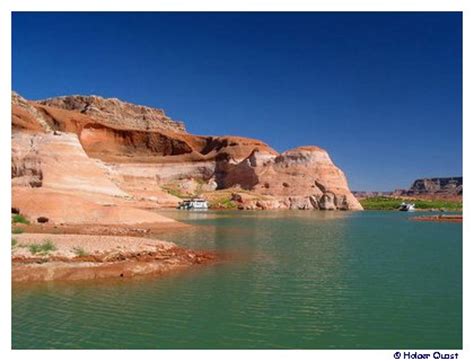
(116, 112)
(110, 156)
(451, 185)
(443, 188)
(301, 178)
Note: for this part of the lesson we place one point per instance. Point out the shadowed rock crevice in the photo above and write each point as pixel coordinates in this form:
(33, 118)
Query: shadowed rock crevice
(98, 139)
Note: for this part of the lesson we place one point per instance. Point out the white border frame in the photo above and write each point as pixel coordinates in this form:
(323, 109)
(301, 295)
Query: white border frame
(7, 6)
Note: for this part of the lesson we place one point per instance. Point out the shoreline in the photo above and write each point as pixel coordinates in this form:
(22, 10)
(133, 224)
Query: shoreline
(133, 230)
(91, 257)
(442, 218)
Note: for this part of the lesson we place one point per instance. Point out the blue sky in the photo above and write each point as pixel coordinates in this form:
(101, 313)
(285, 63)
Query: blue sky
(382, 92)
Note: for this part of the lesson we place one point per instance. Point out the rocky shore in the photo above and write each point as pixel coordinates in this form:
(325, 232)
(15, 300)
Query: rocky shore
(457, 218)
(48, 257)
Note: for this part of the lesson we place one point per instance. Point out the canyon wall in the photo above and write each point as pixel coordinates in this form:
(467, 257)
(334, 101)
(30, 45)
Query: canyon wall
(121, 155)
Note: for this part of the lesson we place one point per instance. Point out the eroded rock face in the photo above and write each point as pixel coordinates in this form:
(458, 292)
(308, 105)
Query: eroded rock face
(116, 112)
(52, 177)
(93, 146)
(61, 164)
(449, 186)
(25, 116)
(26, 162)
(301, 178)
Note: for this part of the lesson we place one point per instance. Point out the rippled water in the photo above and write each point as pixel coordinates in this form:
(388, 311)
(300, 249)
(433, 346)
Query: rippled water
(305, 280)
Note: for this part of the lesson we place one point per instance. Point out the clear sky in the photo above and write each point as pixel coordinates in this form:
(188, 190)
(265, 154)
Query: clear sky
(382, 92)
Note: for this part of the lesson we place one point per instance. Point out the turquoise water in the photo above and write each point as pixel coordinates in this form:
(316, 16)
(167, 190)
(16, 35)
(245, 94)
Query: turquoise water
(302, 280)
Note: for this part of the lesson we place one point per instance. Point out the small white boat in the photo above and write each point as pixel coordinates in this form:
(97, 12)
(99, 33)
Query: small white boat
(407, 207)
(193, 204)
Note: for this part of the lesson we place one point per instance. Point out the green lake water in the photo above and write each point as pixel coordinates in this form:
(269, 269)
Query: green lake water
(302, 279)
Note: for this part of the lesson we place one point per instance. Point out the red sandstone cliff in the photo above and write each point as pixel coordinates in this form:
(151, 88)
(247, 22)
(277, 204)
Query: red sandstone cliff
(105, 153)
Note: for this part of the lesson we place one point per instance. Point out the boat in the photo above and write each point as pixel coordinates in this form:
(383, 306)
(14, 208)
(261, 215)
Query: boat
(193, 204)
(407, 207)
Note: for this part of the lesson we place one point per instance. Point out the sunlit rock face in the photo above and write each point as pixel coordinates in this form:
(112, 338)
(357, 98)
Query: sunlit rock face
(112, 152)
(301, 178)
(116, 112)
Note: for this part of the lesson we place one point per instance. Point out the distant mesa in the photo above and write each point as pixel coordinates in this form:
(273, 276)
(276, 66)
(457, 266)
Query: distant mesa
(368, 194)
(430, 188)
(73, 155)
(449, 186)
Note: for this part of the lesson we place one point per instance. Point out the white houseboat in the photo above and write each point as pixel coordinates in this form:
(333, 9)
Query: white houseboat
(193, 204)
(407, 207)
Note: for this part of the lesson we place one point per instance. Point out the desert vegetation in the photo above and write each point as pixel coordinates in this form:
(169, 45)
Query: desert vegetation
(42, 248)
(17, 230)
(18, 218)
(392, 203)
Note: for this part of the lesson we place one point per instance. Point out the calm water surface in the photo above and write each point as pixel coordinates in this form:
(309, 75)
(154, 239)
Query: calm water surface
(306, 280)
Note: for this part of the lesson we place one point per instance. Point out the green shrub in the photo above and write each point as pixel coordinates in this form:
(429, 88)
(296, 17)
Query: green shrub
(228, 204)
(174, 191)
(14, 242)
(17, 230)
(224, 203)
(49, 246)
(18, 218)
(44, 247)
(34, 248)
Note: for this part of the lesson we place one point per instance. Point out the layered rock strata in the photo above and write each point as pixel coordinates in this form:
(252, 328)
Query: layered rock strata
(109, 153)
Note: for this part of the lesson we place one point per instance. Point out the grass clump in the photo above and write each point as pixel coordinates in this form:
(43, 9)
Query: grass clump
(43, 248)
(228, 204)
(200, 181)
(174, 191)
(389, 203)
(80, 252)
(17, 230)
(18, 218)
(14, 242)
(223, 203)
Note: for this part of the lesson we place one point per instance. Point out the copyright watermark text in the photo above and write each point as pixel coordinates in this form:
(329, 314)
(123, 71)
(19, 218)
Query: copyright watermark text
(411, 355)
